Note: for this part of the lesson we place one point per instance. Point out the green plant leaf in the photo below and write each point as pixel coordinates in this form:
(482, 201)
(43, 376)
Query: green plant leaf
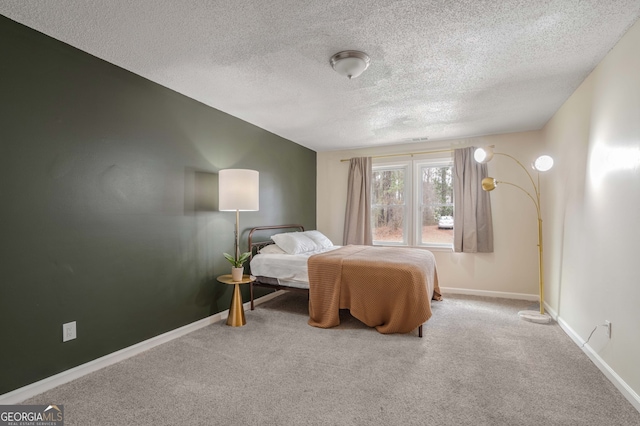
(237, 263)
(243, 257)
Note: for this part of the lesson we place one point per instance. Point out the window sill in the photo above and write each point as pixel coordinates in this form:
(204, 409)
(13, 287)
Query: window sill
(444, 248)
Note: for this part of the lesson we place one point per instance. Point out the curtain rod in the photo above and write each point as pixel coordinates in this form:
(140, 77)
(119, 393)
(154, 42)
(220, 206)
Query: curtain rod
(411, 154)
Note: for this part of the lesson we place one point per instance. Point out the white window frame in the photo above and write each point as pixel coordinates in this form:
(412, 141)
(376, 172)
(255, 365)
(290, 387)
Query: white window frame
(413, 222)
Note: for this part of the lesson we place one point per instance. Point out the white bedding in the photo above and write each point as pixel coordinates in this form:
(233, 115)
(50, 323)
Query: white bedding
(289, 269)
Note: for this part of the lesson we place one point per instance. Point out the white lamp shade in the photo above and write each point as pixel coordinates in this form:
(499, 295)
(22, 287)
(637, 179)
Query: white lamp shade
(483, 155)
(543, 163)
(238, 189)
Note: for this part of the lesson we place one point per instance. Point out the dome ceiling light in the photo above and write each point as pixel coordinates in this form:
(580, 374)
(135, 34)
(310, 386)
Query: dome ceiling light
(350, 63)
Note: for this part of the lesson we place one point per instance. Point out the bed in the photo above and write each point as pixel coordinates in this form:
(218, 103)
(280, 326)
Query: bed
(389, 288)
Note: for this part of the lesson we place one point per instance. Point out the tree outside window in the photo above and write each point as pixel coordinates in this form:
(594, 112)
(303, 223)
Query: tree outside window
(436, 205)
(388, 205)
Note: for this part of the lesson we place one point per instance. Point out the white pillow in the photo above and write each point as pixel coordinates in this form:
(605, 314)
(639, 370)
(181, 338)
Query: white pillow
(322, 242)
(294, 242)
(271, 249)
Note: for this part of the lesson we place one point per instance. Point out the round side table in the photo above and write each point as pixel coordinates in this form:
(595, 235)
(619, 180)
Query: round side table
(236, 310)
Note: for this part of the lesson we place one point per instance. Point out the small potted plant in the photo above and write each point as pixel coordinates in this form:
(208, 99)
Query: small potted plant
(236, 264)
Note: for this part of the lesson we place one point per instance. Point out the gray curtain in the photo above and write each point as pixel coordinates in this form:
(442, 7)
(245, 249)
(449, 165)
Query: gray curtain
(357, 219)
(472, 223)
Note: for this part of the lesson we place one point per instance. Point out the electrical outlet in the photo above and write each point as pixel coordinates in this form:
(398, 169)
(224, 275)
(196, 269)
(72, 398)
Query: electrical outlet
(607, 325)
(68, 331)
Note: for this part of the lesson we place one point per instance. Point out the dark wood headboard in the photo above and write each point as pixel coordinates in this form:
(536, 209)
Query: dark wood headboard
(255, 246)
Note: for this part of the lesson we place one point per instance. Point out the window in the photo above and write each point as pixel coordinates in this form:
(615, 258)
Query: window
(436, 204)
(412, 203)
(389, 209)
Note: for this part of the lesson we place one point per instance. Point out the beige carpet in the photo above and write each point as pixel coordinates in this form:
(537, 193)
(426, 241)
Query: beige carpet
(478, 364)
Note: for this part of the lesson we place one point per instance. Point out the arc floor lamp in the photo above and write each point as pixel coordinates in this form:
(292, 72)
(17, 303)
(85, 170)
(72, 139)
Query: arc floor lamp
(541, 164)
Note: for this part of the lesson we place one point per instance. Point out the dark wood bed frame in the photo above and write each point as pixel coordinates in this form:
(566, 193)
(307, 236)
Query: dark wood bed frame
(254, 247)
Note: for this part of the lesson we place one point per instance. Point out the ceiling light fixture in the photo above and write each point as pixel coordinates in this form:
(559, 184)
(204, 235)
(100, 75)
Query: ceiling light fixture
(350, 63)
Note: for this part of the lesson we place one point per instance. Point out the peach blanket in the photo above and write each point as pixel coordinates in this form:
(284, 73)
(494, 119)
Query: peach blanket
(389, 288)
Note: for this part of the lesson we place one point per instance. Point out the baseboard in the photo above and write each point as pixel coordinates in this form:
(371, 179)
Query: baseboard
(26, 392)
(500, 294)
(613, 377)
(486, 293)
(550, 311)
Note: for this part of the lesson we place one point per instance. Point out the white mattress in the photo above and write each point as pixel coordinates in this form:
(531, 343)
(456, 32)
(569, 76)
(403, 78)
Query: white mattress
(289, 269)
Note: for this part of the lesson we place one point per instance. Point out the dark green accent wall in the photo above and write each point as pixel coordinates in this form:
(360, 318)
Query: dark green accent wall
(108, 189)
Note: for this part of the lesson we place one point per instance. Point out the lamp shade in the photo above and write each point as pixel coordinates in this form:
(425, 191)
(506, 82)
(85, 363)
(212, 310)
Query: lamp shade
(543, 163)
(238, 189)
(483, 155)
(489, 184)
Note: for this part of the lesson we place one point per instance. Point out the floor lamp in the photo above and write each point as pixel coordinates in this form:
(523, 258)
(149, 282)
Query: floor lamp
(541, 164)
(239, 190)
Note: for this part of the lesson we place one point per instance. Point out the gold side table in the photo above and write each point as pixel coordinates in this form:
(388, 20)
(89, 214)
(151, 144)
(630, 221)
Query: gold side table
(236, 310)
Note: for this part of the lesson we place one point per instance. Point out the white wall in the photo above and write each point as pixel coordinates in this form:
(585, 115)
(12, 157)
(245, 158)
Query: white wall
(513, 267)
(593, 209)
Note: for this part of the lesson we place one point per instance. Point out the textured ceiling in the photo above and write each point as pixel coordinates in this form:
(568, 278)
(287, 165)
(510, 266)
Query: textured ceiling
(440, 69)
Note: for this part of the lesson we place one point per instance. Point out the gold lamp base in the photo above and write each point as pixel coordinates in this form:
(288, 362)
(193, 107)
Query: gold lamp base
(236, 310)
